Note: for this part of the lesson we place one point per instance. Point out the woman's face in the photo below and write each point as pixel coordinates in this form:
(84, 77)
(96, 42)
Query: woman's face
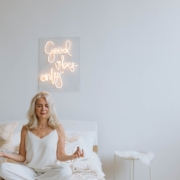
(42, 109)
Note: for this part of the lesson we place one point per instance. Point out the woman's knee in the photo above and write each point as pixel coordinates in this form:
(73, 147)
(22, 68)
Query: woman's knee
(65, 170)
(3, 168)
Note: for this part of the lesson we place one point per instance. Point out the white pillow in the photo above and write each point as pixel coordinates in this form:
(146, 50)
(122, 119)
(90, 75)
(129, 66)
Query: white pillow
(16, 140)
(88, 136)
(71, 147)
(6, 132)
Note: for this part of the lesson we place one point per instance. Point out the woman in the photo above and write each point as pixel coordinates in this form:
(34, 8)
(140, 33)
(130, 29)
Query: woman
(42, 145)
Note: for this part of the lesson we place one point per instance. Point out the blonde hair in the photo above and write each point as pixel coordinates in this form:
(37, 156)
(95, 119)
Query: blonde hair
(31, 114)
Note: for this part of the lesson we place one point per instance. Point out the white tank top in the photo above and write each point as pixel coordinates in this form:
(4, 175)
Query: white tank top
(41, 153)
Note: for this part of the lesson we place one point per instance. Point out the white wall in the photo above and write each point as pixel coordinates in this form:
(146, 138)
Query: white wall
(130, 59)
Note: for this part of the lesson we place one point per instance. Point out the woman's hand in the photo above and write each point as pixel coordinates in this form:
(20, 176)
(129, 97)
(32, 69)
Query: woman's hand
(1, 154)
(77, 154)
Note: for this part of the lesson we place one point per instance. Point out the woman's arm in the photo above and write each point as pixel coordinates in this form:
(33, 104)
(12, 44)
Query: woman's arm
(61, 147)
(21, 157)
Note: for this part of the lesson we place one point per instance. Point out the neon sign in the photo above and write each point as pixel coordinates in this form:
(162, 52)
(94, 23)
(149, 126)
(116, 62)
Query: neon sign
(60, 66)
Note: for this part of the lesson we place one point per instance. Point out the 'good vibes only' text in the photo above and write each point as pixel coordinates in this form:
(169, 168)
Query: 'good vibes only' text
(55, 75)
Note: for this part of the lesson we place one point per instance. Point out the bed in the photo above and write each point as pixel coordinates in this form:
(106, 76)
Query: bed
(78, 133)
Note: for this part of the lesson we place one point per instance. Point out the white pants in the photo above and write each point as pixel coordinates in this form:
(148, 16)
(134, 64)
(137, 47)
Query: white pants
(11, 171)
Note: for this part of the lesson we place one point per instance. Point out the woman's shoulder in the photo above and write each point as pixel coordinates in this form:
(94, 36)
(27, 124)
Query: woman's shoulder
(60, 128)
(24, 129)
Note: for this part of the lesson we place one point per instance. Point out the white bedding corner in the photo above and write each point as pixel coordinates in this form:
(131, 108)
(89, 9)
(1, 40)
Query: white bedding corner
(90, 169)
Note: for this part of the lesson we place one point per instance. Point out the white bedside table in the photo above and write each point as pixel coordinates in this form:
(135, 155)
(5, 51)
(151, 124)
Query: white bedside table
(145, 157)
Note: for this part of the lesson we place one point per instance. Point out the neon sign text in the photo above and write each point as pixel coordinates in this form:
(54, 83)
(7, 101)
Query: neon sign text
(58, 50)
(54, 77)
(64, 65)
(55, 74)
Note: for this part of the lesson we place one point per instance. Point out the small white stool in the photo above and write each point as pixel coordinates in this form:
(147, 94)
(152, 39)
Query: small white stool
(132, 159)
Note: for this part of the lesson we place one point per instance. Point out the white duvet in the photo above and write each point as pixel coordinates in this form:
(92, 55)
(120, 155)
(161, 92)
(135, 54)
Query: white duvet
(90, 169)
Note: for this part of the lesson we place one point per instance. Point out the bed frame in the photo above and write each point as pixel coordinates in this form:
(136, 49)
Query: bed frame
(69, 125)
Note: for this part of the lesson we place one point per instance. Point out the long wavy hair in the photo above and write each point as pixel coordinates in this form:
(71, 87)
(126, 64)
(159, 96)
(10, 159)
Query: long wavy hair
(31, 114)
